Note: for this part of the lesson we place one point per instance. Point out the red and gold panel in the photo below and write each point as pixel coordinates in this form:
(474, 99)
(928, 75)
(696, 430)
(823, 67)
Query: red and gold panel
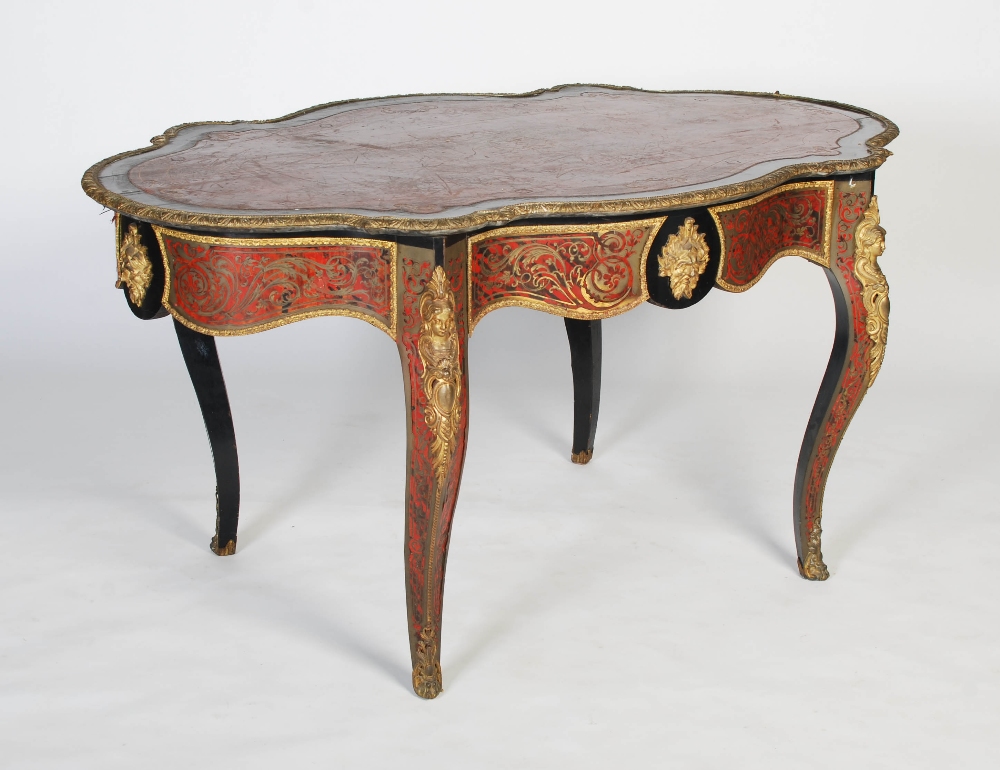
(792, 219)
(587, 271)
(226, 286)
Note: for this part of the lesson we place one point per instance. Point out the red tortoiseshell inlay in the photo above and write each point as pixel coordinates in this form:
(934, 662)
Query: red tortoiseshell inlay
(580, 272)
(237, 286)
(794, 219)
(420, 479)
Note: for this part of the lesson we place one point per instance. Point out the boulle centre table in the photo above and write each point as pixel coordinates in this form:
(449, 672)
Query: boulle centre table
(421, 214)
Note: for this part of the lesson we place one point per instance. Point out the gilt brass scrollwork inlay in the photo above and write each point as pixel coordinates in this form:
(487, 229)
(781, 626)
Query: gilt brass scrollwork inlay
(135, 271)
(869, 243)
(684, 259)
(587, 272)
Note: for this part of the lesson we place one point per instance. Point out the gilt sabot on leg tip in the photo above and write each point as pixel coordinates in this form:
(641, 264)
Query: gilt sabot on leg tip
(427, 665)
(813, 569)
(227, 550)
(427, 681)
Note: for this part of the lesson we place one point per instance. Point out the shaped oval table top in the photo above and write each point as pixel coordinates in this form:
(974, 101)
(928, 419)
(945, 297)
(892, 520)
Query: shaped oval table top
(451, 163)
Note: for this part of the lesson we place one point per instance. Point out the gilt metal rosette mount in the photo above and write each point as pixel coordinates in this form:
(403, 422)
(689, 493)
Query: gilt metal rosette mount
(683, 259)
(135, 271)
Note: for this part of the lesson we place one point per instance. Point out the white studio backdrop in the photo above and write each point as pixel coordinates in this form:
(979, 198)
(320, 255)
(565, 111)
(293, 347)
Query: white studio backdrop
(643, 611)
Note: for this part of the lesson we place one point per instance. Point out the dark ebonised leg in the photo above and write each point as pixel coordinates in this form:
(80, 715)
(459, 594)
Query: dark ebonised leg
(585, 355)
(860, 296)
(807, 512)
(203, 365)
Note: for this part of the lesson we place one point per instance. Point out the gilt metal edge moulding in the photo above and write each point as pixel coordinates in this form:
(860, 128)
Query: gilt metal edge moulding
(487, 217)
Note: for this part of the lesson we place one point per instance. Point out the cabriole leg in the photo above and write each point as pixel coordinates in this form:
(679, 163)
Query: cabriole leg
(861, 298)
(585, 356)
(203, 366)
(433, 351)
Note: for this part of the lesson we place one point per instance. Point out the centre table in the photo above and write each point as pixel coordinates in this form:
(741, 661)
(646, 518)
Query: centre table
(421, 214)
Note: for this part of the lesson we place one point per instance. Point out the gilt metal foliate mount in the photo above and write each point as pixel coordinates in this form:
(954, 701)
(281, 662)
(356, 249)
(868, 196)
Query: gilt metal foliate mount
(683, 259)
(869, 243)
(135, 271)
(442, 379)
(442, 383)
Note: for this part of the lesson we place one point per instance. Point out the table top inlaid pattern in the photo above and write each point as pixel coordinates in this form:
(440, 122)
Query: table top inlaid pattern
(440, 163)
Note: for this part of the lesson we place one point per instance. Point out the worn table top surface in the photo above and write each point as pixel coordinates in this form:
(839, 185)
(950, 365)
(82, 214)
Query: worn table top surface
(451, 162)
